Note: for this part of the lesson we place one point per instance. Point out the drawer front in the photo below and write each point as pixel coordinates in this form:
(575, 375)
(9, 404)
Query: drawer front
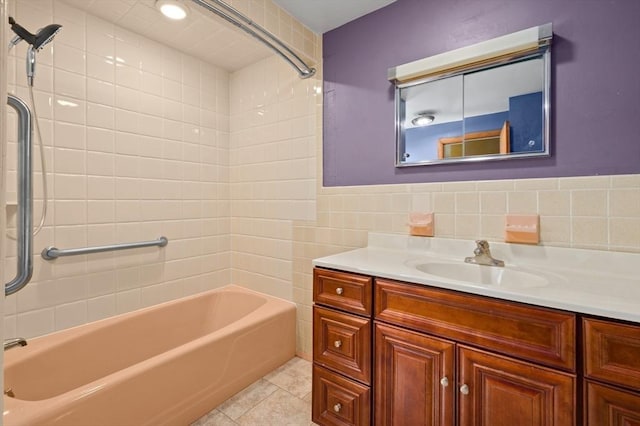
(537, 334)
(612, 352)
(607, 406)
(339, 401)
(342, 342)
(341, 290)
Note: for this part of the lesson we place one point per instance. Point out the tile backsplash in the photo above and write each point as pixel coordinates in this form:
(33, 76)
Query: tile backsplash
(600, 212)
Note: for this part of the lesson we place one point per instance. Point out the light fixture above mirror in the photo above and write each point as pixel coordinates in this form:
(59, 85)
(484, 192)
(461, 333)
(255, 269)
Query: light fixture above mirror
(489, 101)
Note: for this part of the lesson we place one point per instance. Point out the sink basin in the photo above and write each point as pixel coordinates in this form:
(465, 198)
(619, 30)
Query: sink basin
(483, 275)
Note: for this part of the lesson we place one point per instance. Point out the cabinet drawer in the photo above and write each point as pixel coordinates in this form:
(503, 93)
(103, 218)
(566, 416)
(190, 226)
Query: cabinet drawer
(612, 352)
(611, 407)
(339, 401)
(537, 334)
(349, 292)
(342, 342)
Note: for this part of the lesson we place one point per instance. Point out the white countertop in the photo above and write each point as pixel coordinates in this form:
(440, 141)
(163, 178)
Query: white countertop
(594, 282)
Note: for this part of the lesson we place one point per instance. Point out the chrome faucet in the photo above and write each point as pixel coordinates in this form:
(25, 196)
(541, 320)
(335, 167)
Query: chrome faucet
(12, 343)
(483, 255)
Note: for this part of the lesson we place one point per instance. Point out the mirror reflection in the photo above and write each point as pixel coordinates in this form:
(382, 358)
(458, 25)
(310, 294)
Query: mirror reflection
(495, 112)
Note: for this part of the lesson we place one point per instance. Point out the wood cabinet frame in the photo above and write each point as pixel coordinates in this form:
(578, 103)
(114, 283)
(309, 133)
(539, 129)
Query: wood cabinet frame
(503, 133)
(564, 368)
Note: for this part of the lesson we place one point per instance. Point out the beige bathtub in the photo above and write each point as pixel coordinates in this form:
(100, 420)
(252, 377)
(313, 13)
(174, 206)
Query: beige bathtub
(167, 364)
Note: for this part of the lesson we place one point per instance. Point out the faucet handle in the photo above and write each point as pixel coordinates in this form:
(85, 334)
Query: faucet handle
(16, 341)
(482, 246)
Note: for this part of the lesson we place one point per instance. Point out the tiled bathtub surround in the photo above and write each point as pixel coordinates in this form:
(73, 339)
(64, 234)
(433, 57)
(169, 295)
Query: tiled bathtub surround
(137, 144)
(136, 138)
(272, 170)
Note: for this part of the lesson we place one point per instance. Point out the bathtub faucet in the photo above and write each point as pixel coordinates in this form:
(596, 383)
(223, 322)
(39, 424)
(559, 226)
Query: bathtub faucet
(12, 343)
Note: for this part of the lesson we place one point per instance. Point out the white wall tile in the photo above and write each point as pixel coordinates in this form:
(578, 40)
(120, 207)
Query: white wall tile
(100, 116)
(101, 68)
(69, 59)
(70, 314)
(69, 135)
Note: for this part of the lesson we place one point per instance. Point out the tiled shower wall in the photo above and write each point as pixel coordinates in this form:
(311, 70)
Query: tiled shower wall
(136, 138)
(3, 117)
(272, 171)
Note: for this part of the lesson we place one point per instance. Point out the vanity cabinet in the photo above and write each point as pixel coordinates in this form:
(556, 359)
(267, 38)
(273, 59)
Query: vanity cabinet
(342, 327)
(520, 369)
(612, 372)
(388, 352)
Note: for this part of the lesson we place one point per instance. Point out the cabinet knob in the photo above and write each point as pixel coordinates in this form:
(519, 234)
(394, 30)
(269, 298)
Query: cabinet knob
(464, 389)
(337, 343)
(444, 382)
(339, 290)
(337, 407)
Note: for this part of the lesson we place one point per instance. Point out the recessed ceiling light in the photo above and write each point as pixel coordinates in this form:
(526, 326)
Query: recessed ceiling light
(423, 120)
(172, 9)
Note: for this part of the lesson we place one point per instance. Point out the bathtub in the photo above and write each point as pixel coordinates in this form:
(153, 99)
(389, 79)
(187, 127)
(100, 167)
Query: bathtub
(168, 364)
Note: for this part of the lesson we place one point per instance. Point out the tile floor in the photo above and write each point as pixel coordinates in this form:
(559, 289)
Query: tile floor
(281, 398)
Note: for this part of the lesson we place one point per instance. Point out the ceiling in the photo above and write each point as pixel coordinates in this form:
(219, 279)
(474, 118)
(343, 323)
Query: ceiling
(324, 15)
(210, 38)
(202, 34)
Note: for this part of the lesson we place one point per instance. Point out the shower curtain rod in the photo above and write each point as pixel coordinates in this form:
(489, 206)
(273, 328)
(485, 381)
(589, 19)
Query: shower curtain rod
(236, 18)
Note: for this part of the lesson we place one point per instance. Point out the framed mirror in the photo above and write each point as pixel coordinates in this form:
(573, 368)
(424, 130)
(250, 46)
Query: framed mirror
(493, 109)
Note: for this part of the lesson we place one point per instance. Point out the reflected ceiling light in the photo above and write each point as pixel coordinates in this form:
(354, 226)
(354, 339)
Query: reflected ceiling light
(423, 120)
(172, 9)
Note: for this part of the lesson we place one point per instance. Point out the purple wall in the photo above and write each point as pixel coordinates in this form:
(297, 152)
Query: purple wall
(595, 115)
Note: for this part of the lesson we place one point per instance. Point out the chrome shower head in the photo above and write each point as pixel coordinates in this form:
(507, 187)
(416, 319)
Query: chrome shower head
(45, 35)
(36, 41)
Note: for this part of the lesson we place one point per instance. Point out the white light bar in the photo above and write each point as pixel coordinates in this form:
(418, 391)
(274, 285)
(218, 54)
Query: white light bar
(521, 41)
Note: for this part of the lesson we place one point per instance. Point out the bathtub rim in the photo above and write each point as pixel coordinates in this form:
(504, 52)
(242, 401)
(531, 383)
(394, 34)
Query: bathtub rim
(42, 343)
(68, 333)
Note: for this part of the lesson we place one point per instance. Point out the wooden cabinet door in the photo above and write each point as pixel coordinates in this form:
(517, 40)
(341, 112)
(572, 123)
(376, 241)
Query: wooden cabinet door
(414, 380)
(608, 406)
(498, 391)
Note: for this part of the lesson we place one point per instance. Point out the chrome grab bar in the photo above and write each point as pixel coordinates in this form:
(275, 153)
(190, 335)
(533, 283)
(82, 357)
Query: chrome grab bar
(25, 198)
(51, 253)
